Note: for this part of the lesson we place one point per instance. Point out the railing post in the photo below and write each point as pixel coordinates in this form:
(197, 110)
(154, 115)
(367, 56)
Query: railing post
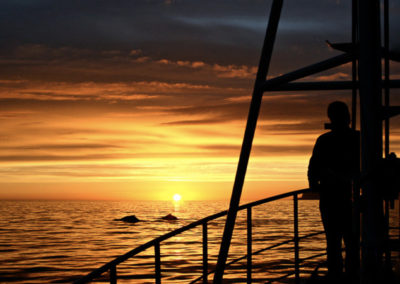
(388, 255)
(205, 253)
(113, 274)
(296, 240)
(249, 245)
(157, 262)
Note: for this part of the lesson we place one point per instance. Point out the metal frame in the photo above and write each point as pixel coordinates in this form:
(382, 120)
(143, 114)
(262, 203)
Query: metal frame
(365, 53)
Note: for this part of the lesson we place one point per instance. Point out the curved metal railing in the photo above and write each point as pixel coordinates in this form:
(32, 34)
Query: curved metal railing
(112, 265)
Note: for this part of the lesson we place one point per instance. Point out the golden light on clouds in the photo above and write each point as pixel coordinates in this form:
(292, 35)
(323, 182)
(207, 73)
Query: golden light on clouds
(129, 112)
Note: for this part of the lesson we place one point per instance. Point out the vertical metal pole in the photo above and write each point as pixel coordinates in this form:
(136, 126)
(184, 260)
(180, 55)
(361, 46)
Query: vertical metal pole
(205, 253)
(386, 48)
(356, 185)
(249, 245)
(387, 126)
(113, 275)
(356, 222)
(296, 239)
(157, 260)
(388, 254)
(255, 104)
(369, 72)
(354, 40)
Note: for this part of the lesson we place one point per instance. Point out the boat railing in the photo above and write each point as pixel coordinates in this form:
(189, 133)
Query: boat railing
(111, 266)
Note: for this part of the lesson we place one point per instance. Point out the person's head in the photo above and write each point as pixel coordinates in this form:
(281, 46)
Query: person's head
(339, 115)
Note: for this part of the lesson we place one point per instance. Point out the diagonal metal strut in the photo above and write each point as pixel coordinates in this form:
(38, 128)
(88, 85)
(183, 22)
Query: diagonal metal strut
(309, 70)
(254, 110)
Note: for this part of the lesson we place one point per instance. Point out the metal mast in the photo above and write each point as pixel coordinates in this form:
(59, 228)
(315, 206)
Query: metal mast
(370, 73)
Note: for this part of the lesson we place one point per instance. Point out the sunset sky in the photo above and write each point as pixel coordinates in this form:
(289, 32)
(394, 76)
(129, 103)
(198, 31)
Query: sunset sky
(142, 99)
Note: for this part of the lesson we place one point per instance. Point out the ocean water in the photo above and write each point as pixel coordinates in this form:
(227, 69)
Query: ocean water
(61, 241)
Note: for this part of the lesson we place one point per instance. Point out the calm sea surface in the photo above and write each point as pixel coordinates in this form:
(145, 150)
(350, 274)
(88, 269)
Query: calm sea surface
(60, 241)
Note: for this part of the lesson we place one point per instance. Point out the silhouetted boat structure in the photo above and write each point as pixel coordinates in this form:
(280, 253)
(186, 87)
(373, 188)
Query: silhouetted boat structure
(310, 195)
(366, 55)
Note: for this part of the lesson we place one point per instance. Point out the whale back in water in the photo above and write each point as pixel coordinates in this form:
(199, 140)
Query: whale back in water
(169, 217)
(129, 219)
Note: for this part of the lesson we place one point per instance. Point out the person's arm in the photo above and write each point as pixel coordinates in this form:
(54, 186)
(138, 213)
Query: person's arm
(314, 167)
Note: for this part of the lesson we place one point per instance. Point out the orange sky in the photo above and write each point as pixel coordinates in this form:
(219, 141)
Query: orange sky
(113, 120)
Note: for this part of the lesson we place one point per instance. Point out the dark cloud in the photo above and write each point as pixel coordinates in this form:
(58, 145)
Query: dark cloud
(217, 31)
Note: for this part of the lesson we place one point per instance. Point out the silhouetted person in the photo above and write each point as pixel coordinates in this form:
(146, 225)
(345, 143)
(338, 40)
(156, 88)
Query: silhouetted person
(333, 165)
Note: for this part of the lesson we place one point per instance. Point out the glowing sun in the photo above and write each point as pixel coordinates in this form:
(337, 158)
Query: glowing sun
(177, 197)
